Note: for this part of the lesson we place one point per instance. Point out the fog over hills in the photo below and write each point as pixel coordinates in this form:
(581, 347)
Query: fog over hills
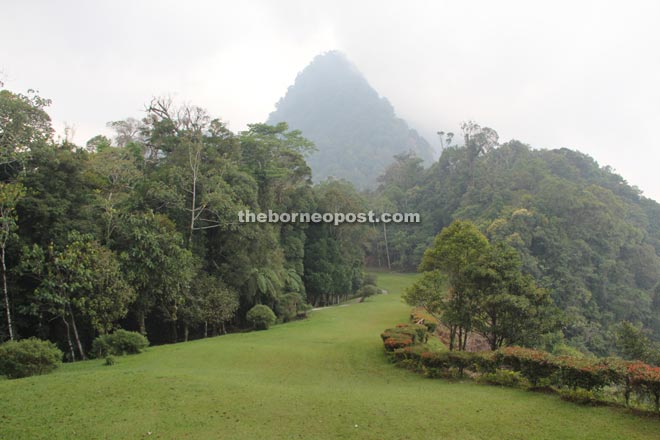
(356, 131)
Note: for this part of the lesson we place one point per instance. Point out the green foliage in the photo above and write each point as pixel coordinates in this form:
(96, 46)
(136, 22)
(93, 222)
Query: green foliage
(109, 361)
(290, 306)
(473, 285)
(261, 317)
(370, 278)
(119, 343)
(580, 230)
(579, 395)
(504, 378)
(368, 290)
(633, 343)
(28, 357)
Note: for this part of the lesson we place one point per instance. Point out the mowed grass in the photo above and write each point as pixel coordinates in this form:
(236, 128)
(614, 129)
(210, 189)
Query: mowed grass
(322, 378)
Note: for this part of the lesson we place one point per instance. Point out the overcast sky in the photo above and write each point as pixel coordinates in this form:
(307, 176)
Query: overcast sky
(583, 75)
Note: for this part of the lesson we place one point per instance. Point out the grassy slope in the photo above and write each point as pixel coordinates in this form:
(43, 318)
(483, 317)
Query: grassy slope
(312, 379)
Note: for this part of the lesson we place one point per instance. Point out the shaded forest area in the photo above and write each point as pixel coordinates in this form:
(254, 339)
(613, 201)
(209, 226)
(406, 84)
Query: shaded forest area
(141, 231)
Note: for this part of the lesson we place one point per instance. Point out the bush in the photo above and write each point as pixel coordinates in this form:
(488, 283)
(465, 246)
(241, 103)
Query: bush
(416, 333)
(434, 362)
(291, 306)
(109, 360)
(533, 364)
(119, 343)
(504, 378)
(589, 374)
(261, 317)
(28, 357)
(368, 290)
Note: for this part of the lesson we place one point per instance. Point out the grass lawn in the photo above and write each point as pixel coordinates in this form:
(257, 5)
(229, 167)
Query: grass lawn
(323, 378)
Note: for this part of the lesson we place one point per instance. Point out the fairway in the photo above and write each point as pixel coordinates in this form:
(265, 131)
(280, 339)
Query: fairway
(323, 378)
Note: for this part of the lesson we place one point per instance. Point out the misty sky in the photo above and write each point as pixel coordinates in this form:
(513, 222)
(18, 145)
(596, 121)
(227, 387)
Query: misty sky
(583, 75)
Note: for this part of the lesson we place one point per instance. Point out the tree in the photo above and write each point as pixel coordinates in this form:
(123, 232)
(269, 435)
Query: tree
(24, 126)
(83, 279)
(511, 309)
(454, 250)
(430, 292)
(632, 343)
(10, 194)
(98, 144)
(209, 302)
(156, 263)
(487, 292)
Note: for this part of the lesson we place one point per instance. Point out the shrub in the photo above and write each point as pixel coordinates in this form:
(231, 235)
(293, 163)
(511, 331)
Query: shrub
(290, 306)
(119, 343)
(646, 379)
(261, 317)
(589, 374)
(438, 363)
(504, 378)
(28, 357)
(109, 360)
(485, 362)
(533, 364)
(416, 333)
(578, 395)
(368, 290)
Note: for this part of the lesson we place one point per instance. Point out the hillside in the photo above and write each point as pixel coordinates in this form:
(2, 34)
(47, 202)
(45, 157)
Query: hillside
(581, 230)
(356, 131)
(322, 378)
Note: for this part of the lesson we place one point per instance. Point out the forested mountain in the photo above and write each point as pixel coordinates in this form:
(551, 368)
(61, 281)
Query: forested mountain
(582, 231)
(355, 130)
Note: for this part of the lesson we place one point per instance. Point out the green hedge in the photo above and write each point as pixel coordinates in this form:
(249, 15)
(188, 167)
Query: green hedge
(404, 335)
(576, 378)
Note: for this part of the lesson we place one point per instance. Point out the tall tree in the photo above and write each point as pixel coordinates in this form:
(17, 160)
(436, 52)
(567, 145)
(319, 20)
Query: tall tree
(10, 194)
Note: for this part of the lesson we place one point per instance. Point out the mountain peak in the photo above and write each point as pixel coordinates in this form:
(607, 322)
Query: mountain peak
(355, 130)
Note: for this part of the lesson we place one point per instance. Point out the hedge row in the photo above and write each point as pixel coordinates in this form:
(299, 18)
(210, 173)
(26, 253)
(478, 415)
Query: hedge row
(540, 368)
(404, 335)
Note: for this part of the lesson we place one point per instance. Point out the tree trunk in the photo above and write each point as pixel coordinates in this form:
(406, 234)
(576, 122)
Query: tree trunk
(141, 324)
(224, 329)
(68, 338)
(6, 293)
(175, 332)
(75, 334)
(206, 329)
(452, 337)
(186, 331)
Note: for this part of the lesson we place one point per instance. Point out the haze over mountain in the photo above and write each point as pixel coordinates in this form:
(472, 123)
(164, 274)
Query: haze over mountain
(356, 131)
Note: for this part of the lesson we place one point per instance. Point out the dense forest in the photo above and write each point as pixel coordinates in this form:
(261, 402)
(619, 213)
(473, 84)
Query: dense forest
(582, 232)
(356, 130)
(141, 231)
